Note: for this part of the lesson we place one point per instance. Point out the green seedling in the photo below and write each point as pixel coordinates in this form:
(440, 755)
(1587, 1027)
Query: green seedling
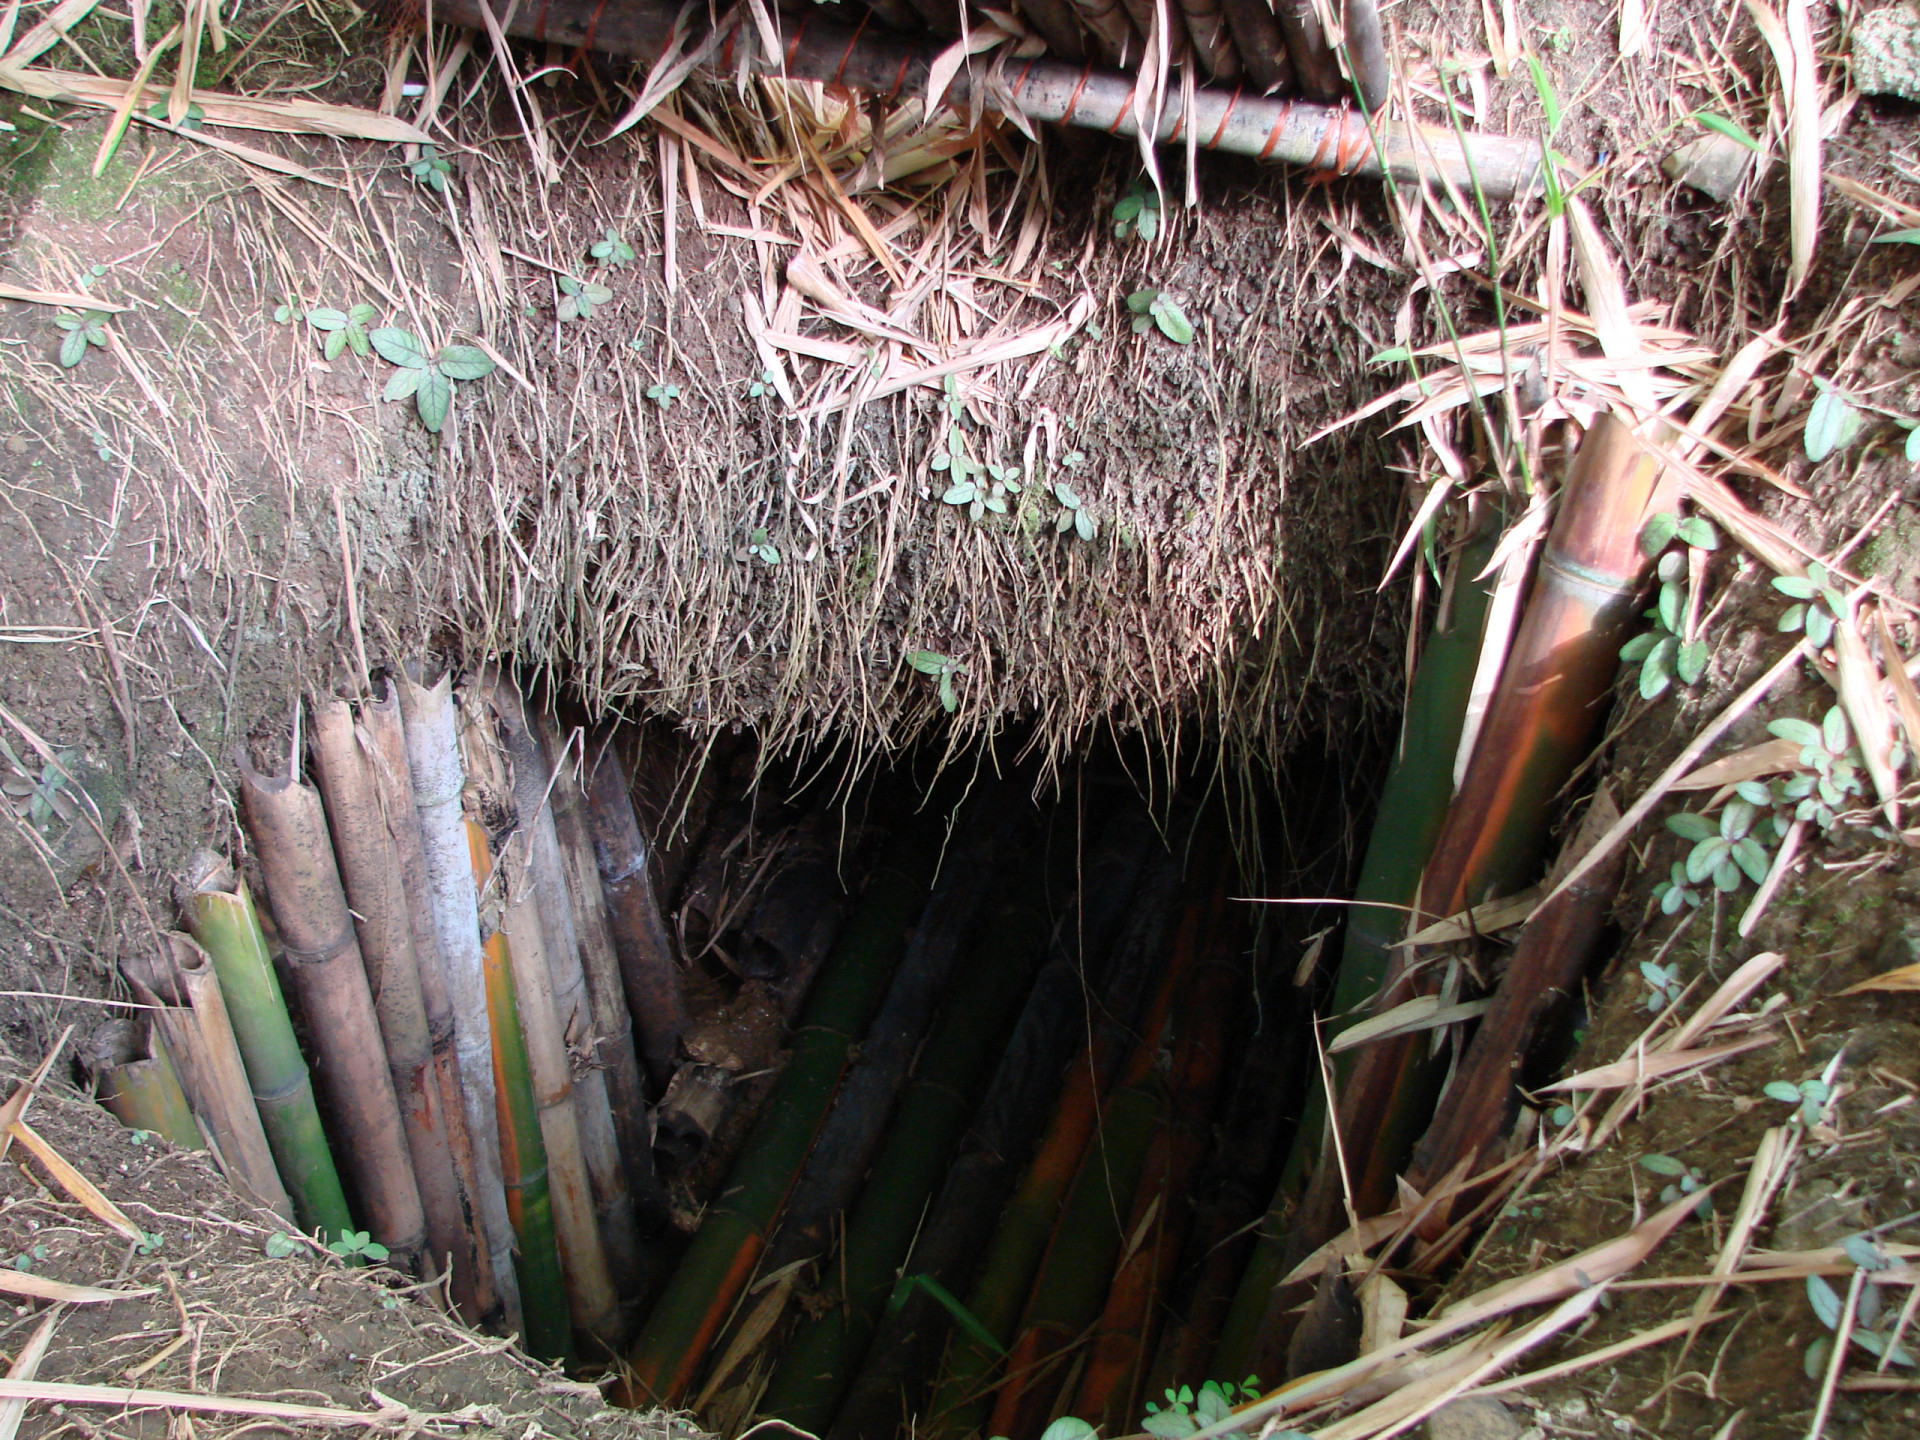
(192, 120)
(1073, 513)
(88, 328)
(1875, 1327)
(1818, 603)
(1663, 985)
(1664, 653)
(1833, 774)
(431, 169)
(1811, 1096)
(762, 387)
(26, 1258)
(285, 314)
(663, 395)
(279, 1245)
(578, 297)
(1721, 125)
(1687, 1180)
(1137, 213)
(761, 548)
(613, 250)
(1187, 1410)
(429, 378)
(943, 668)
(946, 1300)
(150, 1243)
(1832, 423)
(357, 1245)
(342, 329)
(1156, 307)
(1724, 852)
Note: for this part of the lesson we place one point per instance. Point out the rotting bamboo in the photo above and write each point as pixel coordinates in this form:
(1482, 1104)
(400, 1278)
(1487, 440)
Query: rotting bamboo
(1552, 953)
(474, 1289)
(647, 967)
(289, 830)
(961, 1400)
(1413, 807)
(610, 1022)
(1315, 68)
(193, 1020)
(370, 873)
(434, 771)
(594, 1304)
(951, 1069)
(532, 779)
(135, 1080)
(1319, 136)
(523, 1153)
(1124, 1337)
(724, 1253)
(1263, 49)
(220, 913)
(1083, 961)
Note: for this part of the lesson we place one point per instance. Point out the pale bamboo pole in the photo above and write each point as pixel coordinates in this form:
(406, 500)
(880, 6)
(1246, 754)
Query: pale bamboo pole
(370, 871)
(590, 1293)
(433, 759)
(475, 1290)
(573, 1008)
(289, 828)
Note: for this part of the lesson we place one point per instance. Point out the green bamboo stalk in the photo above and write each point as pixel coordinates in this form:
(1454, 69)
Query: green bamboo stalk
(958, 1057)
(136, 1082)
(221, 915)
(721, 1259)
(523, 1151)
(1413, 806)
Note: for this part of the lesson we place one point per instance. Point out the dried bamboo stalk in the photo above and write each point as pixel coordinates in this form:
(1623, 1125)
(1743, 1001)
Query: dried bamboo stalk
(135, 1080)
(1314, 65)
(572, 1006)
(433, 759)
(1318, 135)
(289, 830)
(474, 1289)
(1263, 49)
(199, 1033)
(590, 1293)
(370, 871)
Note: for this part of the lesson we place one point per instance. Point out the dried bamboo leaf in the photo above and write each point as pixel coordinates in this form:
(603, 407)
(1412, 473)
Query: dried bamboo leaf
(1747, 978)
(1423, 1012)
(1904, 977)
(58, 1392)
(39, 1287)
(10, 291)
(1607, 297)
(1488, 918)
(1863, 699)
(45, 35)
(1652, 1066)
(1769, 757)
(26, 1365)
(74, 1183)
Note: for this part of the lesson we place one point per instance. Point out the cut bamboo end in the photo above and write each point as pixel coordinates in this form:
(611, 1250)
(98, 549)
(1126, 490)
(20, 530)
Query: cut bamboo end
(134, 1077)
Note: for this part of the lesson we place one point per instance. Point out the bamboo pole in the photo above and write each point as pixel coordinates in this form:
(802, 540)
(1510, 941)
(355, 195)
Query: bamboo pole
(524, 1174)
(647, 966)
(961, 1400)
(724, 1253)
(589, 1285)
(1413, 807)
(220, 913)
(475, 1290)
(135, 1080)
(1320, 136)
(1084, 960)
(951, 1069)
(1263, 49)
(573, 1009)
(198, 1031)
(610, 1020)
(438, 781)
(289, 830)
(371, 874)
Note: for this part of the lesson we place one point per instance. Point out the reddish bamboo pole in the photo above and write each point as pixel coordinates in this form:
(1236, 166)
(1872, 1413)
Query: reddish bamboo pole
(290, 838)
(475, 1290)
(371, 872)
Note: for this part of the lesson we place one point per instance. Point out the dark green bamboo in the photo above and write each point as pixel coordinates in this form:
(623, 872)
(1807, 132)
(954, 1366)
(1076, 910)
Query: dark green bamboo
(722, 1256)
(221, 915)
(1413, 806)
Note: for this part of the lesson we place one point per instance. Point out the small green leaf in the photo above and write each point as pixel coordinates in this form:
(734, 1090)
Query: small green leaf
(326, 319)
(1833, 730)
(1832, 425)
(1783, 1092)
(433, 399)
(1172, 321)
(1068, 1427)
(1825, 1300)
(402, 383)
(1658, 533)
(949, 701)
(1141, 301)
(1913, 446)
(1672, 606)
(1698, 532)
(1721, 125)
(362, 314)
(465, 362)
(1393, 355)
(280, 1245)
(1689, 826)
(72, 348)
(1637, 649)
(929, 662)
(1898, 237)
(1691, 663)
(1795, 587)
(1662, 1165)
(1800, 732)
(963, 493)
(1085, 525)
(1819, 626)
(399, 347)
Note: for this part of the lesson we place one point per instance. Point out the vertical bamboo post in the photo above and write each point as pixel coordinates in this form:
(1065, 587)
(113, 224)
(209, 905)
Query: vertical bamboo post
(135, 1080)
(474, 1287)
(573, 1008)
(193, 1020)
(639, 934)
(220, 913)
(590, 1293)
(370, 870)
(433, 760)
(290, 837)
(523, 1151)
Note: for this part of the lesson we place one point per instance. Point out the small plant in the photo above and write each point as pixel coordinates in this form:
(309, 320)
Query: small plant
(1812, 1096)
(279, 1245)
(26, 1259)
(1818, 604)
(943, 668)
(1832, 423)
(1722, 853)
(1663, 985)
(429, 379)
(284, 314)
(431, 169)
(1687, 1180)
(357, 1244)
(1676, 890)
(1876, 1325)
(663, 395)
(1187, 1411)
(1828, 753)
(980, 488)
(192, 120)
(88, 328)
(150, 1243)
(578, 297)
(1137, 213)
(1156, 307)
(613, 250)
(1665, 652)
(761, 387)
(1561, 1115)
(342, 329)
(760, 547)
(1073, 513)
